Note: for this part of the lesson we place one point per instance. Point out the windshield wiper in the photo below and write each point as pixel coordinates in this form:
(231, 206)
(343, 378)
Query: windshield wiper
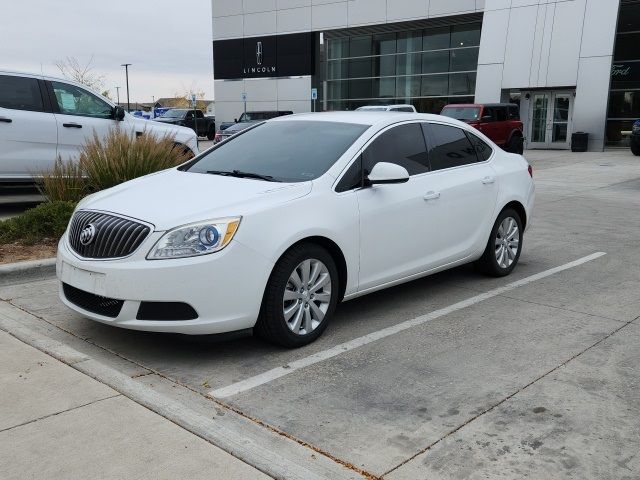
(240, 174)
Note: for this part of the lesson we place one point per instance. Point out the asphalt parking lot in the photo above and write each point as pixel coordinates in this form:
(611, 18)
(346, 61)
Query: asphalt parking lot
(452, 376)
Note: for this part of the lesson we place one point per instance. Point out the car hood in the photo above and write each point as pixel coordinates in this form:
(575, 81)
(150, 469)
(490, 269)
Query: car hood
(172, 198)
(167, 120)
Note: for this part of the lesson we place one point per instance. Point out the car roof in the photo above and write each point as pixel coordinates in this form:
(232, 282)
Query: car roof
(364, 117)
(387, 106)
(16, 73)
(477, 105)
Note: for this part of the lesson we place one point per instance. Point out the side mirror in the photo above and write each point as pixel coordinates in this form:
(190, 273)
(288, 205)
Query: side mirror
(486, 118)
(118, 113)
(235, 120)
(383, 172)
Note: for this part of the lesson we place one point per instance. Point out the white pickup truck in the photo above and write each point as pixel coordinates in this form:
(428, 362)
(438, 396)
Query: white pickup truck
(43, 118)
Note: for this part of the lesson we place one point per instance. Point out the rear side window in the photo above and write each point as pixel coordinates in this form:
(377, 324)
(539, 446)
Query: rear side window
(403, 145)
(482, 149)
(448, 146)
(20, 93)
(500, 114)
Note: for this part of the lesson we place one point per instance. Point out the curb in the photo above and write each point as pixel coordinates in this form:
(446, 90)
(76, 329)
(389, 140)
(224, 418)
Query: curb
(268, 452)
(20, 272)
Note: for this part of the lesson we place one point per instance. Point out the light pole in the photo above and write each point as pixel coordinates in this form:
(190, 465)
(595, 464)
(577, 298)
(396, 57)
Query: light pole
(126, 72)
(118, 94)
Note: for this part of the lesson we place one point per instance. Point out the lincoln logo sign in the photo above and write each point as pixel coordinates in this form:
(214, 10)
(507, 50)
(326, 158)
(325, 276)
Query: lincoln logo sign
(259, 59)
(267, 56)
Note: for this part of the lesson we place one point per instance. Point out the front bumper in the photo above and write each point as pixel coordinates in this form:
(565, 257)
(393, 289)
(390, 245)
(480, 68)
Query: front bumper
(224, 288)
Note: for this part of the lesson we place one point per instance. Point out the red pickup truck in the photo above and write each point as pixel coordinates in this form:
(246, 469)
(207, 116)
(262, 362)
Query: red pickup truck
(498, 121)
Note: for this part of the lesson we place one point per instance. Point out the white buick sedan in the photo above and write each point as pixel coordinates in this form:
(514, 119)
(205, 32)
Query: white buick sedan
(272, 228)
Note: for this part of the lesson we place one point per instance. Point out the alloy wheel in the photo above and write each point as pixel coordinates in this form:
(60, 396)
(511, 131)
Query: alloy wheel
(307, 296)
(507, 242)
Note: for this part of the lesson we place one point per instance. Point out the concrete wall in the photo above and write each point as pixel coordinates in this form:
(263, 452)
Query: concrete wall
(550, 44)
(249, 18)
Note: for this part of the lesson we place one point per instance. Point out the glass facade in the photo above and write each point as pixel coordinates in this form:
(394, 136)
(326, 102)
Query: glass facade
(427, 68)
(624, 96)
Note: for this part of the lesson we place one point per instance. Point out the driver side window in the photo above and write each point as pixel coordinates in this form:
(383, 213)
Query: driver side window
(74, 100)
(403, 145)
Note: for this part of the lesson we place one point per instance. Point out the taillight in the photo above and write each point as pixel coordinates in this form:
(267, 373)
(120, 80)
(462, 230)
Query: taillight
(217, 138)
(530, 169)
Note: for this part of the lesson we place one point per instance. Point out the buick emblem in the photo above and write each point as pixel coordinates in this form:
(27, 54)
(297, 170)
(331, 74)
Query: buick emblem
(87, 234)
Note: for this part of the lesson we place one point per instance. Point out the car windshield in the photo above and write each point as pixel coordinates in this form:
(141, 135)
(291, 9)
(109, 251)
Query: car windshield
(286, 151)
(175, 113)
(462, 113)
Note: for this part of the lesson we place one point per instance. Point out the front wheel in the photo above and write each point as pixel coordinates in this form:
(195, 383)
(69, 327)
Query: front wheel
(504, 246)
(211, 134)
(300, 297)
(635, 147)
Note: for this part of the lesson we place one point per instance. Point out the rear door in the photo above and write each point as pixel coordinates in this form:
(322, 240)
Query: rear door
(28, 133)
(468, 190)
(79, 114)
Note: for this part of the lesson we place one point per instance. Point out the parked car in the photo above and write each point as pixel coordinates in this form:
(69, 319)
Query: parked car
(635, 138)
(42, 118)
(256, 117)
(273, 227)
(190, 118)
(387, 108)
(231, 131)
(160, 111)
(498, 121)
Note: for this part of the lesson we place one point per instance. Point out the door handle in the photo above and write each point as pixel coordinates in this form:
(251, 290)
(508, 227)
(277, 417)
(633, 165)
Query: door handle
(431, 195)
(488, 180)
(5, 120)
(72, 125)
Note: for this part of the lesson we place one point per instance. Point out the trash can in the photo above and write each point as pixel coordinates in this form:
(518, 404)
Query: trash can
(579, 142)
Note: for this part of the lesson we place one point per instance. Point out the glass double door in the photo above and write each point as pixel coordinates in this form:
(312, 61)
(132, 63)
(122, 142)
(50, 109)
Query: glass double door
(550, 120)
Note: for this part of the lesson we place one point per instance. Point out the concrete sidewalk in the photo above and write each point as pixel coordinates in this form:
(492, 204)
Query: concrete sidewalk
(58, 423)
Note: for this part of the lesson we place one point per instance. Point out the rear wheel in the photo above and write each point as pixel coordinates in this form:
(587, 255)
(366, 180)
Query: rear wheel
(503, 249)
(300, 297)
(515, 145)
(211, 134)
(635, 147)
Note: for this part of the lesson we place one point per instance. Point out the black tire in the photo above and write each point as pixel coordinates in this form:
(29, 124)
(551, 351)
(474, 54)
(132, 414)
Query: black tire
(271, 324)
(635, 147)
(488, 263)
(515, 145)
(211, 134)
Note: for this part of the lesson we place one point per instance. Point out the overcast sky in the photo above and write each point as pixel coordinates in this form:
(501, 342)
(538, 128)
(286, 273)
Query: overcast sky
(167, 41)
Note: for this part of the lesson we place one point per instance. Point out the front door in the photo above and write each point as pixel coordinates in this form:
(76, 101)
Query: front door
(79, 115)
(397, 222)
(550, 120)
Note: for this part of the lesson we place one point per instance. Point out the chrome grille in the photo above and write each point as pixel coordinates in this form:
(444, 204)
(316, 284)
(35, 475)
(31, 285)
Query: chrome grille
(113, 237)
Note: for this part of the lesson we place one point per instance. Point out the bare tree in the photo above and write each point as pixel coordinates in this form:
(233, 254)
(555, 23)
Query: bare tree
(72, 69)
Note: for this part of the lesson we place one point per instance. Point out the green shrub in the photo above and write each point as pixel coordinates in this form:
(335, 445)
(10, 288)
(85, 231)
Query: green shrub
(66, 182)
(46, 222)
(121, 156)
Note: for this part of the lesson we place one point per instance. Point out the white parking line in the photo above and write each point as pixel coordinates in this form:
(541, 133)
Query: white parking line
(273, 374)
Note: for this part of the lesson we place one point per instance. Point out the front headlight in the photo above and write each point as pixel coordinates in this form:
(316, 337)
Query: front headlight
(195, 239)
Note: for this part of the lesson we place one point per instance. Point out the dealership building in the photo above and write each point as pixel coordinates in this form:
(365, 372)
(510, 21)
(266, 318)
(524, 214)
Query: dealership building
(571, 65)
